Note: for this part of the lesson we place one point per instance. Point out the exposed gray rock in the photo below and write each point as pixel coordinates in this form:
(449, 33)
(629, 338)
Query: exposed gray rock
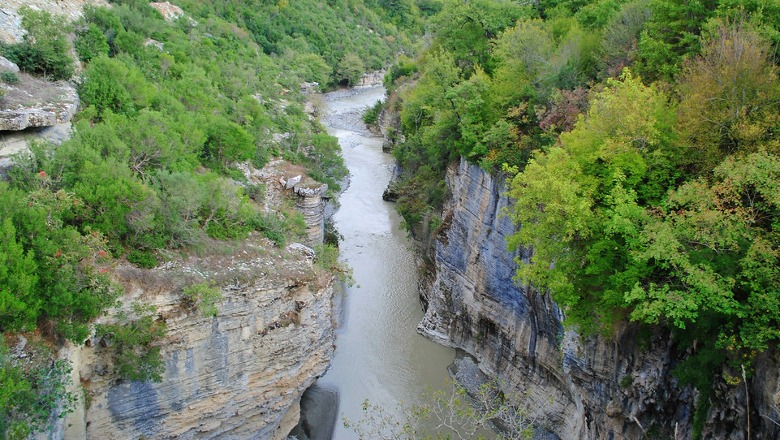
(311, 203)
(14, 142)
(618, 387)
(7, 65)
(302, 249)
(11, 30)
(292, 181)
(171, 12)
(33, 102)
(238, 375)
(374, 78)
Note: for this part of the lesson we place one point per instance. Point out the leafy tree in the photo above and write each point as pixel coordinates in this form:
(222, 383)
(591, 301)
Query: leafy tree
(349, 70)
(671, 34)
(716, 246)
(621, 36)
(19, 303)
(578, 203)
(91, 43)
(103, 86)
(227, 142)
(134, 344)
(523, 53)
(729, 96)
(428, 114)
(33, 393)
(109, 201)
(465, 29)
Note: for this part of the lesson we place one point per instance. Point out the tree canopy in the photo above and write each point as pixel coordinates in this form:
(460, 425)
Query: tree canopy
(640, 144)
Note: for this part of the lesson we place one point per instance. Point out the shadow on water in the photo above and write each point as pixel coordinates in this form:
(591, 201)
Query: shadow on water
(319, 412)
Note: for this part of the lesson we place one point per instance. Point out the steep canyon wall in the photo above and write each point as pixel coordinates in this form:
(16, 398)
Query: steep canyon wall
(599, 387)
(237, 375)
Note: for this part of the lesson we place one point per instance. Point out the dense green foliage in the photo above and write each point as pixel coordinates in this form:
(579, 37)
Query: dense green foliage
(204, 296)
(641, 145)
(168, 109)
(9, 77)
(328, 42)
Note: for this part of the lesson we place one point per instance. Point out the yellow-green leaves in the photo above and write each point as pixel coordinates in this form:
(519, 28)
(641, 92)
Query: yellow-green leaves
(578, 205)
(554, 210)
(730, 97)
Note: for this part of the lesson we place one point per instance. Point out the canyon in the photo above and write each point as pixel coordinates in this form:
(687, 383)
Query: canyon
(618, 386)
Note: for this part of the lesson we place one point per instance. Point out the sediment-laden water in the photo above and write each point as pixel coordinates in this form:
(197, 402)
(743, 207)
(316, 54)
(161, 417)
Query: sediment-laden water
(379, 354)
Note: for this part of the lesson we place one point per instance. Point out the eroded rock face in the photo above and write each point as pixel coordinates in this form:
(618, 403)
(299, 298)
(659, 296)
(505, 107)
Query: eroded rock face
(171, 12)
(374, 78)
(33, 102)
(617, 387)
(311, 203)
(239, 375)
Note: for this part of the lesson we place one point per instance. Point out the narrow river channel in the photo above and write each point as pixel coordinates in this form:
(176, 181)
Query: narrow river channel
(379, 355)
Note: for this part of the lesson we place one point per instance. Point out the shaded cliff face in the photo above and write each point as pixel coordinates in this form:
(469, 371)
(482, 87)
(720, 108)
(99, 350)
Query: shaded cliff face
(237, 375)
(597, 387)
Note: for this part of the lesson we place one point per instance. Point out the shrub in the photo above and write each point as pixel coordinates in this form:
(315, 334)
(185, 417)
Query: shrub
(144, 259)
(205, 296)
(91, 43)
(44, 50)
(133, 342)
(349, 70)
(271, 227)
(103, 86)
(371, 115)
(33, 393)
(327, 258)
(9, 77)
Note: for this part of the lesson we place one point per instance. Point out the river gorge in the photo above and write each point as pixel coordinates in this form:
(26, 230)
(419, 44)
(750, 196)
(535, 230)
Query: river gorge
(379, 354)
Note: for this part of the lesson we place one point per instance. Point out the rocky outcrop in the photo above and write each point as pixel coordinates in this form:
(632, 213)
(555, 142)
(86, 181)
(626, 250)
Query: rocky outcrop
(7, 66)
(311, 203)
(618, 387)
(374, 78)
(171, 12)
(237, 375)
(168, 10)
(11, 30)
(33, 102)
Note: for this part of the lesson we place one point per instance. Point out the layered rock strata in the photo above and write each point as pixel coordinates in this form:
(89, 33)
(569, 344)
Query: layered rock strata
(617, 387)
(237, 375)
(311, 203)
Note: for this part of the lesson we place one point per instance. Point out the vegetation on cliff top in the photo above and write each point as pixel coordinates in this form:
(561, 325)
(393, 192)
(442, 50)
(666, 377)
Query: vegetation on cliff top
(167, 110)
(641, 147)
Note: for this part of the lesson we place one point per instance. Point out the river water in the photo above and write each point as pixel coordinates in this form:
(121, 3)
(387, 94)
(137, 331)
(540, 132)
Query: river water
(379, 354)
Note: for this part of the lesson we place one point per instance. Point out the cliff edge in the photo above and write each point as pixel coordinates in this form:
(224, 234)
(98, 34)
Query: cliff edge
(597, 387)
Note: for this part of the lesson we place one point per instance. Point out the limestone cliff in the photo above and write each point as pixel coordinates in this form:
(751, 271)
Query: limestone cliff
(618, 387)
(237, 375)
